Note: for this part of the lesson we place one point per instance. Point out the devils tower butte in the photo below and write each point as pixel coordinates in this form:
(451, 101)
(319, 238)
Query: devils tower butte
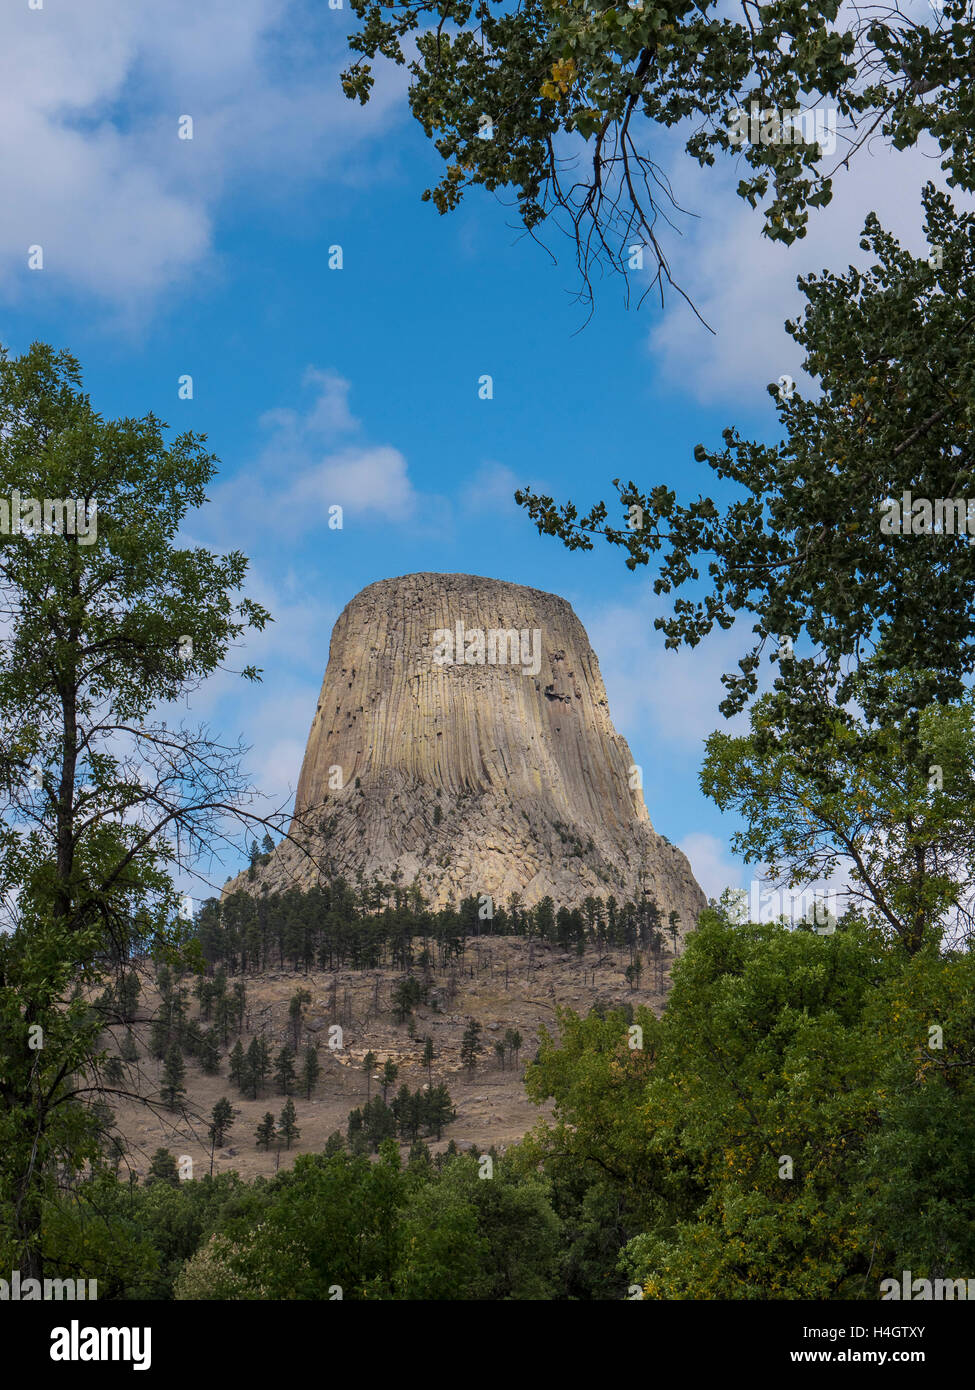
(462, 740)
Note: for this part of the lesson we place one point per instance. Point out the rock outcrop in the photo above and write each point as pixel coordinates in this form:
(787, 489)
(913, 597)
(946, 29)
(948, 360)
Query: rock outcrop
(462, 741)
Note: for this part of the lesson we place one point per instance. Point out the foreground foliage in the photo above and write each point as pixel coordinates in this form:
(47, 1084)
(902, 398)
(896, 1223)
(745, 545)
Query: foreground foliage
(566, 103)
(798, 1125)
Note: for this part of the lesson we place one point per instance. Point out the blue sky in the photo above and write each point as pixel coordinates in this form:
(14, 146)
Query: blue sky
(209, 257)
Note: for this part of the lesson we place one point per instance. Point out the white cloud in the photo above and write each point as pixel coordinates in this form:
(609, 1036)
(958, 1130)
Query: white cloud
(101, 221)
(714, 868)
(672, 697)
(331, 414)
(328, 416)
(490, 489)
(308, 449)
(744, 285)
(90, 100)
(361, 480)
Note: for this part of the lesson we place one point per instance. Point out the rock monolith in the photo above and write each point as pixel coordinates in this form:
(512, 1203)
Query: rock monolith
(462, 741)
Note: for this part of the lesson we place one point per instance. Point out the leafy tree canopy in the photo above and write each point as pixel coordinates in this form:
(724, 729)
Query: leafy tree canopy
(559, 100)
(799, 549)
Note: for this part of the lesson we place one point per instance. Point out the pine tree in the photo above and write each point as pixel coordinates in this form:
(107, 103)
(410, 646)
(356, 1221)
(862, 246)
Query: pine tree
(205, 993)
(417, 1113)
(406, 996)
(164, 983)
(239, 996)
(401, 1109)
(438, 1110)
(253, 1069)
(358, 1143)
(470, 1044)
(159, 1037)
(673, 922)
(289, 1127)
(128, 995)
(378, 1123)
(499, 1053)
(178, 1017)
(191, 1042)
(236, 1064)
(284, 1069)
(419, 1157)
(222, 1117)
(162, 1168)
(225, 1016)
(295, 1008)
(173, 1091)
(209, 1053)
(390, 1073)
(310, 1070)
(334, 1144)
(266, 1133)
(369, 1064)
(129, 1052)
(263, 1061)
(657, 956)
(248, 1080)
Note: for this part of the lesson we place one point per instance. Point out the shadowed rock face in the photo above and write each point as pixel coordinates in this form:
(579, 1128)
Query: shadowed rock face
(462, 737)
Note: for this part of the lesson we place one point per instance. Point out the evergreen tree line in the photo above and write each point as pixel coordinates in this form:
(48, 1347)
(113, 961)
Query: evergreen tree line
(173, 1035)
(251, 1069)
(335, 926)
(412, 1115)
(172, 1026)
(285, 1132)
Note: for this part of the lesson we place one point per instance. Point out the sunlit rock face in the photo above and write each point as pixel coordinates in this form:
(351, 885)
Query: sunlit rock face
(462, 741)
